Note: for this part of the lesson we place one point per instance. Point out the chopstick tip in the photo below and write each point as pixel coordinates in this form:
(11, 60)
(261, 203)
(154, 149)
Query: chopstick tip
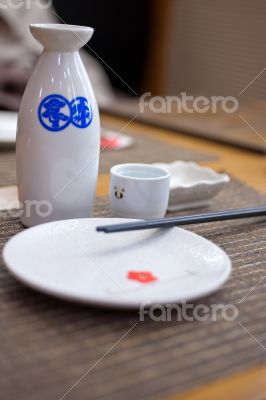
(100, 229)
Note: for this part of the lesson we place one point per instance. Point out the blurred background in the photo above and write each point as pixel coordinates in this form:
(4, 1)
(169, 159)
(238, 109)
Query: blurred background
(165, 47)
(170, 46)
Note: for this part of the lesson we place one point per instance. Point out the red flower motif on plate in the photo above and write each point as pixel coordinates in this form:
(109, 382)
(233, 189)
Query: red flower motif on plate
(141, 276)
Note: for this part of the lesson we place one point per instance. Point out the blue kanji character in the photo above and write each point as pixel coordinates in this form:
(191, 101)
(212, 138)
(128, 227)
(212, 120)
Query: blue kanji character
(50, 109)
(81, 112)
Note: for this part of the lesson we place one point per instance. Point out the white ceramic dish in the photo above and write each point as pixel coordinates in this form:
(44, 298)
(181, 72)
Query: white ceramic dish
(70, 260)
(191, 185)
(8, 126)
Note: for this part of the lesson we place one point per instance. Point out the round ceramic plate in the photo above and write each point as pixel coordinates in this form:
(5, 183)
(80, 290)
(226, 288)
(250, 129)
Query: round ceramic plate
(70, 260)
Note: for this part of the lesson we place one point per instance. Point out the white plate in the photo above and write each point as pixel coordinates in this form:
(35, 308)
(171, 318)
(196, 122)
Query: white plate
(8, 127)
(70, 260)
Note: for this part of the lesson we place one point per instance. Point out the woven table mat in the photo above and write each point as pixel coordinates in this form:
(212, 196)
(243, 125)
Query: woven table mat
(7, 168)
(144, 149)
(46, 345)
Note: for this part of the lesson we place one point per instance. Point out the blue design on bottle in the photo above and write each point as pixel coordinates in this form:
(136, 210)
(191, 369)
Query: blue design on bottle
(56, 113)
(81, 112)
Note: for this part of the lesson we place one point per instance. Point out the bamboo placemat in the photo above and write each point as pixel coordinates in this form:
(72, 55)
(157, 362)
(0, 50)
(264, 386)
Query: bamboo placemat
(7, 168)
(48, 345)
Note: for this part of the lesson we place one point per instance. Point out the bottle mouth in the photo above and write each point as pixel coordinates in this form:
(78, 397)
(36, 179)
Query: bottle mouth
(61, 27)
(61, 36)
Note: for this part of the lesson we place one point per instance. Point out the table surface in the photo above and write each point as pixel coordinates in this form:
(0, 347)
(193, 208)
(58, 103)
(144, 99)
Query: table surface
(250, 168)
(244, 165)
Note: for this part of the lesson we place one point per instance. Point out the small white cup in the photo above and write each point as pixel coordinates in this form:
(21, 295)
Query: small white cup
(139, 191)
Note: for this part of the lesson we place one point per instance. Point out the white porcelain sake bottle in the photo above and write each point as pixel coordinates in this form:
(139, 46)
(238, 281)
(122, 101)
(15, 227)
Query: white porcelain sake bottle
(58, 134)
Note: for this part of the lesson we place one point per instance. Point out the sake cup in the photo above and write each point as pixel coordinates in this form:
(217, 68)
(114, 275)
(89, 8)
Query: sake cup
(139, 191)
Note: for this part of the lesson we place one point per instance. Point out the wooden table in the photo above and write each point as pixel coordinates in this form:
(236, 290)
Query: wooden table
(247, 166)
(251, 169)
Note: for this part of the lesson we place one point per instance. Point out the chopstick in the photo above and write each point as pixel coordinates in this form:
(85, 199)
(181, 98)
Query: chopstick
(179, 221)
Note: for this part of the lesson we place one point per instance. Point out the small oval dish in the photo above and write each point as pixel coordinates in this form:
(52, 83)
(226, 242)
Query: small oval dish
(191, 185)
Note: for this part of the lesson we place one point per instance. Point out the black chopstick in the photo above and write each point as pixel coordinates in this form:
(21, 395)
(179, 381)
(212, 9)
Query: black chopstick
(178, 221)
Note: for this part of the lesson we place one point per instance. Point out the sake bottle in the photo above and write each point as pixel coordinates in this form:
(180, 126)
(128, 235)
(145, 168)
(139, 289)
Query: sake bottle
(58, 132)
